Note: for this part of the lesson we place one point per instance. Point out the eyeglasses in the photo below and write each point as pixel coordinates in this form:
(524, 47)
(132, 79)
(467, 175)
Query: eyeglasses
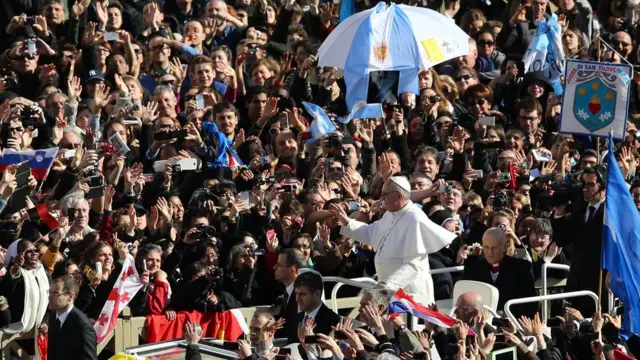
(479, 101)
(464, 77)
(138, 51)
(166, 126)
(486, 42)
(16, 129)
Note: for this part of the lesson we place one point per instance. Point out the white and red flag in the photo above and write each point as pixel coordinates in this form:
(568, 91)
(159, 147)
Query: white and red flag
(123, 291)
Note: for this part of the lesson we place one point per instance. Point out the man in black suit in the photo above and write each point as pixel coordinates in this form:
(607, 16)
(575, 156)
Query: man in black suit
(513, 277)
(71, 335)
(308, 288)
(286, 272)
(582, 231)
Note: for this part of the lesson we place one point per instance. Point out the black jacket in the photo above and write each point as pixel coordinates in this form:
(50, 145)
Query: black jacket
(325, 320)
(586, 241)
(286, 307)
(515, 280)
(76, 339)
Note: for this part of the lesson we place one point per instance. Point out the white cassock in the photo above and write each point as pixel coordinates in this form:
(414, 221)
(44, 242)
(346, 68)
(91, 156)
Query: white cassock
(403, 240)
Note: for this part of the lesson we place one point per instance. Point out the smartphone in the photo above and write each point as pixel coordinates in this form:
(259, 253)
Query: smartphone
(271, 234)
(540, 156)
(520, 253)
(442, 155)
(478, 174)
(199, 102)
(148, 177)
(95, 192)
(445, 189)
(69, 154)
(132, 121)
(311, 339)
(230, 345)
(420, 356)
(31, 20)
(284, 351)
(111, 36)
(284, 120)
(554, 322)
(339, 335)
(487, 120)
(500, 338)
(354, 206)
(99, 268)
(500, 322)
(31, 46)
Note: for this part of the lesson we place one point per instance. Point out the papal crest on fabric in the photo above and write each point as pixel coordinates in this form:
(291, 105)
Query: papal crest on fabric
(594, 104)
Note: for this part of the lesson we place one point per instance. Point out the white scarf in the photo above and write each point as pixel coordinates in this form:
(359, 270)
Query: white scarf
(36, 300)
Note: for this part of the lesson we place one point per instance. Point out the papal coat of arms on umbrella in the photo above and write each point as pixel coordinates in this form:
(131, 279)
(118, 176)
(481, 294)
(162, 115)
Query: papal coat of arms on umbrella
(594, 104)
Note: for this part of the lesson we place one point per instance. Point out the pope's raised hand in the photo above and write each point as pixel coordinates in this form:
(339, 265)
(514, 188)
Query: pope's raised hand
(339, 213)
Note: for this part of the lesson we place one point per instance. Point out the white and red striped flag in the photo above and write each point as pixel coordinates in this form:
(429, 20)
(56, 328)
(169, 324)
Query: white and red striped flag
(123, 291)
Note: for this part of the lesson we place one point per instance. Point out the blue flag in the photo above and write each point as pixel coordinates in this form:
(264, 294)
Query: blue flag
(621, 244)
(321, 125)
(347, 8)
(226, 155)
(545, 52)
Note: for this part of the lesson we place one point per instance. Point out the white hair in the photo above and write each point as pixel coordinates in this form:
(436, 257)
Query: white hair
(71, 201)
(498, 234)
(164, 89)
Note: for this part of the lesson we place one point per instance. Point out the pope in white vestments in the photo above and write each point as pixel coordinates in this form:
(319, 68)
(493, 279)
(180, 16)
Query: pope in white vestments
(403, 238)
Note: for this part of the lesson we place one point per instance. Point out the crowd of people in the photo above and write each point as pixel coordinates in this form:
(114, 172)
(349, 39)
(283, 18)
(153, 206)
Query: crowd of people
(182, 141)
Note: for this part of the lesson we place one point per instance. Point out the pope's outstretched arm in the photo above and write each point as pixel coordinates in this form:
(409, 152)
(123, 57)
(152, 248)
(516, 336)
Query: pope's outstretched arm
(354, 229)
(358, 231)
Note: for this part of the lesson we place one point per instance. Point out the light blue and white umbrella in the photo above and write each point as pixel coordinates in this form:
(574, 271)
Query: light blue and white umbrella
(390, 38)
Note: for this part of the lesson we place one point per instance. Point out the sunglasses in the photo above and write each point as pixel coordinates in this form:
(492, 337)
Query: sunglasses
(16, 129)
(138, 51)
(168, 83)
(486, 43)
(464, 77)
(477, 102)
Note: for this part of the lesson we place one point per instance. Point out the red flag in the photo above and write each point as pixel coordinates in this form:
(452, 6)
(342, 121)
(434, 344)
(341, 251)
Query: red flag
(619, 355)
(514, 177)
(41, 212)
(227, 325)
(43, 343)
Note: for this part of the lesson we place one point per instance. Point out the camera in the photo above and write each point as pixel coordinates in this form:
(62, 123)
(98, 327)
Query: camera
(171, 134)
(203, 232)
(216, 273)
(434, 99)
(500, 201)
(266, 180)
(335, 140)
(265, 162)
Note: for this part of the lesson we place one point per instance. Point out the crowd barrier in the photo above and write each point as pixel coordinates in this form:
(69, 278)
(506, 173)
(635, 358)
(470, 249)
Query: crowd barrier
(130, 329)
(567, 295)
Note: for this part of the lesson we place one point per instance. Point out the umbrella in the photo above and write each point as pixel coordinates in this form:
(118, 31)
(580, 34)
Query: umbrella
(390, 38)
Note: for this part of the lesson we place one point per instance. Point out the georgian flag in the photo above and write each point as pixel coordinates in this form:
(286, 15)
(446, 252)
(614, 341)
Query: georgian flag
(123, 291)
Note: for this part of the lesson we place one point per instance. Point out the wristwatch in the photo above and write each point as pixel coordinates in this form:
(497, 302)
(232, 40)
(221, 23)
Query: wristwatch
(402, 327)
